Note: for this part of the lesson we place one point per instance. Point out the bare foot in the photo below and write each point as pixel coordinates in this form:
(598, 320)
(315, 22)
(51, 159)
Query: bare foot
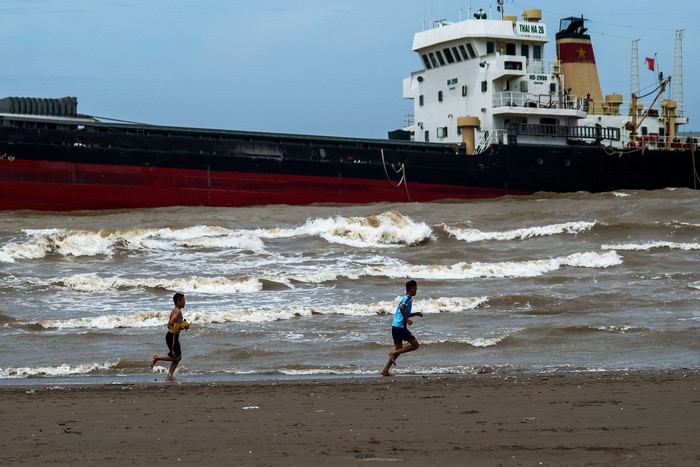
(392, 358)
(170, 378)
(155, 359)
(386, 373)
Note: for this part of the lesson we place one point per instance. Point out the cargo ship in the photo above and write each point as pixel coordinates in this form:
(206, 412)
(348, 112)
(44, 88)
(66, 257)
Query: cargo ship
(491, 118)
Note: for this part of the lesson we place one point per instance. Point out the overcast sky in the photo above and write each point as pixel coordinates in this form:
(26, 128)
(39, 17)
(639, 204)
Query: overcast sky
(326, 67)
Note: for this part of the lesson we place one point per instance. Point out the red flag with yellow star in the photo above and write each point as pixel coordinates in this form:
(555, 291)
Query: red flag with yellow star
(576, 52)
(650, 63)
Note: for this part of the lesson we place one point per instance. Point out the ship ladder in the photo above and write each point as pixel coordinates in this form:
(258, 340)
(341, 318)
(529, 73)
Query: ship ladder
(401, 170)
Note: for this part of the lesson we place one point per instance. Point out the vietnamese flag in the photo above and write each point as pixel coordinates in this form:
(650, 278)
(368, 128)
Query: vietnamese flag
(650, 63)
(575, 51)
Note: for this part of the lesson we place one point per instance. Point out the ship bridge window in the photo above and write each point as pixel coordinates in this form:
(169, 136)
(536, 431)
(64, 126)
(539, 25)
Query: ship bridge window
(472, 54)
(513, 65)
(464, 52)
(537, 52)
(525, 50)
(455, 53)
(490, 47)
(501, 48)
(433, 60)
(426, 62)
(440, 59)
(448, 56)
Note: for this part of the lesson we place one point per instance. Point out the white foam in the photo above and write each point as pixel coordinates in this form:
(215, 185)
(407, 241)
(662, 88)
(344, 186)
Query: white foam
(78, 243)
(33, 249)
(204, 285)
(462, 270)
(653, 245)
(321, 371)
(480, 342)
(475, 235)
(55, 371)
(384, 230)
(465, 270)
(620, 329)
(261, 315)
(62, 242)
(199, 236)
(134, 320)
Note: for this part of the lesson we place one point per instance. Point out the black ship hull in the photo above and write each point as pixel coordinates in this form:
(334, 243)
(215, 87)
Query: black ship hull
(108, 166)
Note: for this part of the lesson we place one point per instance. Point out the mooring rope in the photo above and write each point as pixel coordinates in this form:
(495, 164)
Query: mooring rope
(610, 151)
(401, 170)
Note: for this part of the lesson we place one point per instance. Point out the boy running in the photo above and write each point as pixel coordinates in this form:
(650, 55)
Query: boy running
(399, 327)
(172, 338)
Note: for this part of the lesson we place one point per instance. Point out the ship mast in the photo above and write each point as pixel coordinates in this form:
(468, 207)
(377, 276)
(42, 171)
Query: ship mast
(677, 84)
(634, 69)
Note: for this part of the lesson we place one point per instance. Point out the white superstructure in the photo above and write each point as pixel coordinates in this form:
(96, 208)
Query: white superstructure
(480, 75)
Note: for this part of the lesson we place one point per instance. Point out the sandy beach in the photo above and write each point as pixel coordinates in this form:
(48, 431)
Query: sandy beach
(573, 419)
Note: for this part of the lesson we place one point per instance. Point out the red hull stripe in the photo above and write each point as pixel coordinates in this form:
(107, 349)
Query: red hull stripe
(63, 186)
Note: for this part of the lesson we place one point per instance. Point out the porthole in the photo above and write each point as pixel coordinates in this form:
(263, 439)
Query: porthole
(540, 161)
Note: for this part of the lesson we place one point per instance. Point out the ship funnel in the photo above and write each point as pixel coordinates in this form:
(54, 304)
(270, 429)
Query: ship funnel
(575, 53)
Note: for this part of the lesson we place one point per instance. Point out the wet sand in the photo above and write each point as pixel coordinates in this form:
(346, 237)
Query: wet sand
(574, 419)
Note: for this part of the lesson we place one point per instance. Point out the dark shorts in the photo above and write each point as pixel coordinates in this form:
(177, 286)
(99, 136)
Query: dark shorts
(173, 341)
(401, 334)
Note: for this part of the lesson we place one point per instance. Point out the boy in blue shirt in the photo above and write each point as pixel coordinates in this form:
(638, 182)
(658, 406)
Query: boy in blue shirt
(399, 327)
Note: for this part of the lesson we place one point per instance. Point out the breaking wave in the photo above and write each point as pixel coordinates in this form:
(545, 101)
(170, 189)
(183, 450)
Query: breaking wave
(79, 243)
(478, 342)
(388, 229)
(259, 315)
(56, 370)
(475, 235)
(652, 245)
(462, 270)
(205, 285)
(385, 230)
(465, 270)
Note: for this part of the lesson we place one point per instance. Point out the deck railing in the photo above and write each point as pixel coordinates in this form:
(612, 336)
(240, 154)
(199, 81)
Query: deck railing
(542, 101)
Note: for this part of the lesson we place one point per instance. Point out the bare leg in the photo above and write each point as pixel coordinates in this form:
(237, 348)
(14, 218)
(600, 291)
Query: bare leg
(413, 345)
(173, 367)
(392, 360)
(158, 358)
(166, 358)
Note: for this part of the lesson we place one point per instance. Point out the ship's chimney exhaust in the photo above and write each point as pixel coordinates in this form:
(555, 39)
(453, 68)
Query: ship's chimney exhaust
(575, 54)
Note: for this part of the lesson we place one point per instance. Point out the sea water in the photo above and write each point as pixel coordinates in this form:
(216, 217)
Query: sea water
(540, 283)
